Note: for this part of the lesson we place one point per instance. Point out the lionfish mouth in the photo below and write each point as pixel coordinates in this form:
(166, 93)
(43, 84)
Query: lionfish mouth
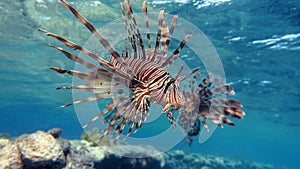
(144, 79)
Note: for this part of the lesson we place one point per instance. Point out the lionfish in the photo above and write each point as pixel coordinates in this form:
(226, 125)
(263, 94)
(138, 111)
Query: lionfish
(142, 70)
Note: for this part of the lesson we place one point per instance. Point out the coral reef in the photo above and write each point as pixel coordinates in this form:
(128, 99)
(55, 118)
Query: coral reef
(47, 150)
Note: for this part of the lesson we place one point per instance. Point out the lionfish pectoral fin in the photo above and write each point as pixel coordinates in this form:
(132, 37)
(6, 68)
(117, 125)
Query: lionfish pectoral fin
(87, 87)
(97, 58)
(93, 98)
(137, 126)
(126, 111)
(131, 124)
(68, 43)
(108, 108)
(171, 119)
(96, 80)
(166, 108)
(169, 114)
(74, 58)
(129, 115)
(101, 39)
(59, 70)
(120, 129)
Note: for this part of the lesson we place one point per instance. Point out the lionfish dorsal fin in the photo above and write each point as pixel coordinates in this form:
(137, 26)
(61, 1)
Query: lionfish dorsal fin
(134, 36)
(176, 52)
(104, 42)
(158, 35)
(165, 37)
(145, 13)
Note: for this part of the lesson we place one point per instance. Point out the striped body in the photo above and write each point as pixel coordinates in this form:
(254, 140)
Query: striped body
(155, 80)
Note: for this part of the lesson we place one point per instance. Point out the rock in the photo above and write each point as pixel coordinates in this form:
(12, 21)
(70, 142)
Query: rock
(133, 151)
(79, 159)
(112, 161)
(206, 167)
(4, 135)
(136, 156)
(145, 156)
(207, 162)
(11, 157)
(55, 132)
(41, 149)
(65, 145)
(178, 154)
(96, 139)
(4, 140)
(117, 155)
(98, 153)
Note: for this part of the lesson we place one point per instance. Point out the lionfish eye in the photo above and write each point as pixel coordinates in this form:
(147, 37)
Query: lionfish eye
(134, 83)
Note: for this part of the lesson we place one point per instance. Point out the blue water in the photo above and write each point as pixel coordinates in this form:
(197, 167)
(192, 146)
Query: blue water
(258, 42)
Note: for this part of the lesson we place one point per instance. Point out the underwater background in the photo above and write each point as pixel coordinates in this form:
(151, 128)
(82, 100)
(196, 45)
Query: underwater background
(258, 42)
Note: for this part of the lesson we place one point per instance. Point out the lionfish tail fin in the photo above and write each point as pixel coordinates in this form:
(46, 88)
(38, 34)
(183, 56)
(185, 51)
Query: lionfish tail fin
(213, 104)
(209, 103)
